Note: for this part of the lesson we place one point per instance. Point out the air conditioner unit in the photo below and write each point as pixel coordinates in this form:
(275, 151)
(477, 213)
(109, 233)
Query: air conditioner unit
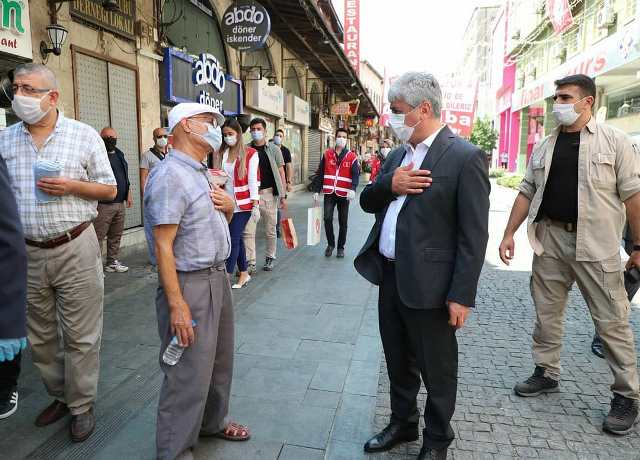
(605, 18)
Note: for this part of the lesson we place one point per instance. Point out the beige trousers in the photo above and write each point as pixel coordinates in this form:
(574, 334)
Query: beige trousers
(269, 215)
(110, 224)
(602, 286)
(65, 293)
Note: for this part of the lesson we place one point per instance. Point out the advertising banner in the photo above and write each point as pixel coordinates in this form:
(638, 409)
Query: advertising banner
(15, 29)
(352, 33)
(560, 15)
(245, 25)
(459, 106)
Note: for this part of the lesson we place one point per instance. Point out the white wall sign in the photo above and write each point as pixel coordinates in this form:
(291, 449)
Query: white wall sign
(265, 98)
(298, 110)
(15, 29)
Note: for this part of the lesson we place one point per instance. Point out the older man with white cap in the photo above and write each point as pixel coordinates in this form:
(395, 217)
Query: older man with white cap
(186, 223)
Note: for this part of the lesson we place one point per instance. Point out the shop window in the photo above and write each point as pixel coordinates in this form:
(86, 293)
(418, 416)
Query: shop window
(624, 105)
(193, 25)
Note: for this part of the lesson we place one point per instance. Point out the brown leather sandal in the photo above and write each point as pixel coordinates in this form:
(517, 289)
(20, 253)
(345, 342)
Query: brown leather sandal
(234, 432)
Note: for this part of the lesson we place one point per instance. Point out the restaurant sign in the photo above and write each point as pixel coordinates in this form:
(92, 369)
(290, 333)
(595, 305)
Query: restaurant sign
(119, 22)
(15, 28)
(189, 79)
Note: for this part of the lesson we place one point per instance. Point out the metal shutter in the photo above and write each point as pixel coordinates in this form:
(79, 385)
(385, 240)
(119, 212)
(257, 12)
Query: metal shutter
(124, 119)
(315, 149)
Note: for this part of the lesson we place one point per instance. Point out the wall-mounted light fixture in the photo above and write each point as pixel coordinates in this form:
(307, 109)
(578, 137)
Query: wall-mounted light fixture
(57, 35)
(262, 73)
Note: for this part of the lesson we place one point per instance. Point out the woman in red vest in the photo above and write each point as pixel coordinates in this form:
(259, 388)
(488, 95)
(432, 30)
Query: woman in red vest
(241, 165)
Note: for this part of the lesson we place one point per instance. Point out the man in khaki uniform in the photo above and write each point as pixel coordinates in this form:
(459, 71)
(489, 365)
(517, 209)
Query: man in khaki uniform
(577, 185)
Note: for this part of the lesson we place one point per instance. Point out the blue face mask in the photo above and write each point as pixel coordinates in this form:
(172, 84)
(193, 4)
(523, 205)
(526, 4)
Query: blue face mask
(213, 136)
(257, 135)
(277, 140)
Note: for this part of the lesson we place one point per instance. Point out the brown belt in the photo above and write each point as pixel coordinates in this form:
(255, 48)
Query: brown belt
(566, 226)
(62, 239)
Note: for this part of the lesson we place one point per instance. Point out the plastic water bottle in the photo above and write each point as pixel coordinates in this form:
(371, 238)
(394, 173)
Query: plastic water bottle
(174, 351)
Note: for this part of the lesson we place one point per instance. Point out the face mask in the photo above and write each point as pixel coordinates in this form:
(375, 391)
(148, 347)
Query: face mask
(230, 140)
(403, 132)
(385, 151)
(341, 142)
(257, 135)
(566, 114)
(213, 136)
(162, 142)
(277, 140)
(110, 143)
(28, 108)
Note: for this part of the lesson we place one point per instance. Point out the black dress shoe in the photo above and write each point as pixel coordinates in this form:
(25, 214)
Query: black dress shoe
(392, 435)
(432, 454)
(597, 347)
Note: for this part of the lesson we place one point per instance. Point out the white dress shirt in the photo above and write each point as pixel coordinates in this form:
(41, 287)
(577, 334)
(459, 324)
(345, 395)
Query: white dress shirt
(387, 242)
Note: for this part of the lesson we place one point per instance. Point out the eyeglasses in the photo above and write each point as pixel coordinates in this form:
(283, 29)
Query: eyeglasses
(28, 90)
(212, 121)
(164, 136)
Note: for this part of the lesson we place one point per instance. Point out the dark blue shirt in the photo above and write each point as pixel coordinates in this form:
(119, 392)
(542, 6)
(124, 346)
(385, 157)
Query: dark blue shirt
(121, 173)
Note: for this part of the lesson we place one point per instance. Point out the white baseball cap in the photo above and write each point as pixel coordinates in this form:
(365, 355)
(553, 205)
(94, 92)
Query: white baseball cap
(189, 109)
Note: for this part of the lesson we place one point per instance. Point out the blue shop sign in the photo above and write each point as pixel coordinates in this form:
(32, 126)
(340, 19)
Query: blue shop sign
(189, 79)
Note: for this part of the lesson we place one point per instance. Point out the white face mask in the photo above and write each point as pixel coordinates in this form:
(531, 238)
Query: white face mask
(385, 151)
(341, 142)
(161, 142)
(28, 108)
(213, 135)
(230, 140)
(566, 114)
(403, 132)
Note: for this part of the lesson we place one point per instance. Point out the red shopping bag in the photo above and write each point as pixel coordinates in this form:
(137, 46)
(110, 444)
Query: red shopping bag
(288, 232)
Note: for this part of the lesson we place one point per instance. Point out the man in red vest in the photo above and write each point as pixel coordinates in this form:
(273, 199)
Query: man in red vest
(337, 177)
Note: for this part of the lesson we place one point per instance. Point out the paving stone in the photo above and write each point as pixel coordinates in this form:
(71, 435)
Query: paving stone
(290, 452)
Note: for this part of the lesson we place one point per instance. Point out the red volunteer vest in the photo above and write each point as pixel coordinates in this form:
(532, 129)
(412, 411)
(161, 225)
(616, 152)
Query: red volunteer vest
(337, 178)
(375, 168)
(241, 186)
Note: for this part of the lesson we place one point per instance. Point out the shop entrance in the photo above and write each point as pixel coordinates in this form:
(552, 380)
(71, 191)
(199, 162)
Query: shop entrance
(106, 95)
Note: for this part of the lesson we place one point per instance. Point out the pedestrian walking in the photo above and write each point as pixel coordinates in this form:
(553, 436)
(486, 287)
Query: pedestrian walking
(376, 164)
(186, 223)
(111, 214)
(425, 252)
(288, 170)
(13, 292)
(387, 145)
(65, 279)
(154, 155)
(273, 195)
(504, 160)
(578, 183)
(241, 165)
(337, 178)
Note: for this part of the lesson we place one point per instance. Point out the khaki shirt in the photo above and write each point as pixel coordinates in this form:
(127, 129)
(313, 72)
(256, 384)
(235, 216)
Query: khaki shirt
(608, 175)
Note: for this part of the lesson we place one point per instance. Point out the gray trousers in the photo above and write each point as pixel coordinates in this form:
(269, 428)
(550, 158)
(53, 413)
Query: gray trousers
(195, 392)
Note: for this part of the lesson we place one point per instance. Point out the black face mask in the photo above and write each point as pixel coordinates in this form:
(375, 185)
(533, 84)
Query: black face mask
(110, 143)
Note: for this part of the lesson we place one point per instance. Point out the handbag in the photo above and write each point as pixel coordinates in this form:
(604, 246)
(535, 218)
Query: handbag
(288, 232)
(314, 224)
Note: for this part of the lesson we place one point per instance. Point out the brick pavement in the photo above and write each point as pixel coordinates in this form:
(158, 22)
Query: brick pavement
(490, 421)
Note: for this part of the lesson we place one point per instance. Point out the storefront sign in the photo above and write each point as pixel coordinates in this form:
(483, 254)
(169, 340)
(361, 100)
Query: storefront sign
(15, 29)
(186, 79)
(298, 110)
(612, 52)
(325, 124)
(265, 98)
(349, 108)
(119, 22)
(352, 33)
(459, 106)
(246, 25)
(560, 15)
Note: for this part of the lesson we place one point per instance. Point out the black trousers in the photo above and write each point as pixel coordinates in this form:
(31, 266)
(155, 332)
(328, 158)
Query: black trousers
(330, 202)
(9, 373)
(419, 343)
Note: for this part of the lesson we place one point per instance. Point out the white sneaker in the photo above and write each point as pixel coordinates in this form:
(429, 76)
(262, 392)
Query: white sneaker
(117, 267)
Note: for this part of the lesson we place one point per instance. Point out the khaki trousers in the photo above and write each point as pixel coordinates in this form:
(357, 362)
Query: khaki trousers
(65, 293)
(110, 223)
(602, 286)
(269, 215)
(195, 392)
